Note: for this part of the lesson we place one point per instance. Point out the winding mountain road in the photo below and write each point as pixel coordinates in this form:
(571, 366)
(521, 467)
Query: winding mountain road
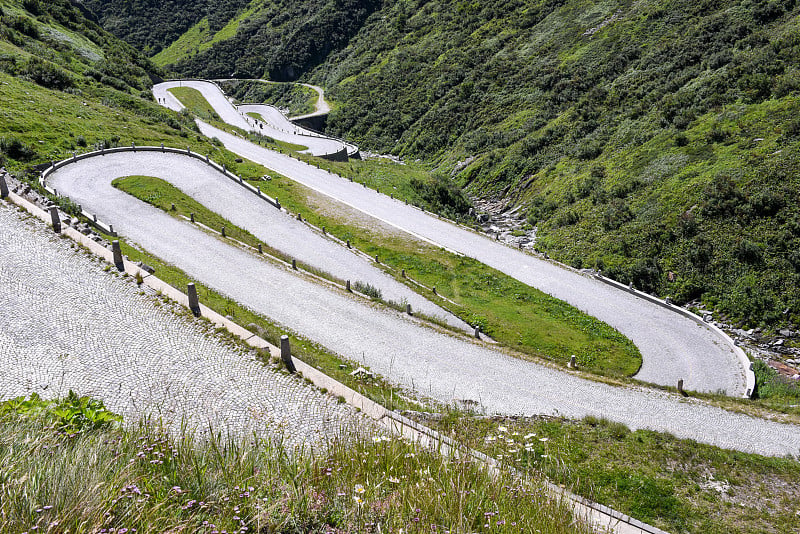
(272, 124)
(242, 208)
(437, 364)
(673, 346)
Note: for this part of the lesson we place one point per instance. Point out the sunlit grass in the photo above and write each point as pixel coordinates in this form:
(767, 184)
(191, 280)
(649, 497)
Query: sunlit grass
(144, 480)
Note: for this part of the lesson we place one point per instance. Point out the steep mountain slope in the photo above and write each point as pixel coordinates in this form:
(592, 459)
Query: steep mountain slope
(643, 138)
(151, 25)
(655, 140)
(68, 85)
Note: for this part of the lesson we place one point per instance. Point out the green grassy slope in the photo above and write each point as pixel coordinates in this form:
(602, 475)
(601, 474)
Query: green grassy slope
(629, 131)
(152, 25)
(67, 85)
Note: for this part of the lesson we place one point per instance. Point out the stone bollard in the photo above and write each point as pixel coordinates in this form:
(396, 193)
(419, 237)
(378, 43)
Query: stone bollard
(117, 252)
(572, 362)
(294, 264)
(191, 217)
(194, 302)
(408, 309)
(260, 249)
(477, 332)
(3, 186)
(223, 232)
(286, 354)
(347, 286)
(54, 218)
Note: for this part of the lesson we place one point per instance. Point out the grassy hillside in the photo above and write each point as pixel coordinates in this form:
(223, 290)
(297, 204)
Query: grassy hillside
(66, 84)
(152, 25)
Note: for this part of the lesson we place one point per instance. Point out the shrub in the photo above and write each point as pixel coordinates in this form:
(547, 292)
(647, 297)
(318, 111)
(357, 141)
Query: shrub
(47, 74)
(367, 289)
(16, 149)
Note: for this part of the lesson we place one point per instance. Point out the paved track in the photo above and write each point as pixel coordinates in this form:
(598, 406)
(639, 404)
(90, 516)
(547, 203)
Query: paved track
(66, 324)
(436, 364)
(673, 347)
(274, 125)
(91, 180)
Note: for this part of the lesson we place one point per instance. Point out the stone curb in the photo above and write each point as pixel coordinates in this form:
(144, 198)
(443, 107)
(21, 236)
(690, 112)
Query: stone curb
(595, 514)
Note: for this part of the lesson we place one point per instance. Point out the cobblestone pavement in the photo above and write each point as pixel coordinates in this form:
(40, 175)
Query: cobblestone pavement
(66, 324)
(244, 209)
(441, 366)
(673, 347)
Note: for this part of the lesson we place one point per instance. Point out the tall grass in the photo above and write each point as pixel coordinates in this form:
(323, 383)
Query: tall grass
(142, 479)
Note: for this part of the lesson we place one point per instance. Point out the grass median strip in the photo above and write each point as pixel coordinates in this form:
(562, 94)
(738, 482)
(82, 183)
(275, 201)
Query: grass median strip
(173, 201)
(510, 311)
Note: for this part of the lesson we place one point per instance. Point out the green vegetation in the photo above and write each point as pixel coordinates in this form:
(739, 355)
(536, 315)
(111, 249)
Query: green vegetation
(151, 25)
(775, 390)
(145, 479)
(70, 86)
(677, 485)
(196, 103)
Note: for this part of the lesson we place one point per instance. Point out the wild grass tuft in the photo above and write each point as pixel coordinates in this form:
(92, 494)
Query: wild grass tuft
(107, 480)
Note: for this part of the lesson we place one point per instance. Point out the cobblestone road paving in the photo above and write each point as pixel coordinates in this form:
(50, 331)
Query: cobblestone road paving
(441, 366)
(66, 324)
(673, 347)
